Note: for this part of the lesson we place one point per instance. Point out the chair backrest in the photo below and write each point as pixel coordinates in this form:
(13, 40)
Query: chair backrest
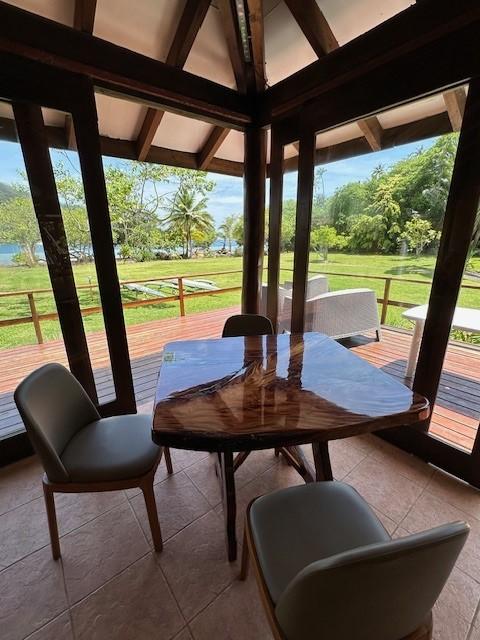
(247, 324)
(54, 407)
(344, 313)
(383, 591)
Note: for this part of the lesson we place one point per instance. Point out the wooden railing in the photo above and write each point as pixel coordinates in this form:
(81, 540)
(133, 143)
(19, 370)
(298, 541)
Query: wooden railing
(35, 318)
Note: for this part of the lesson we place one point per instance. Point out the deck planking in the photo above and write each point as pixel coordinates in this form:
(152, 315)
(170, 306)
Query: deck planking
(455, 416)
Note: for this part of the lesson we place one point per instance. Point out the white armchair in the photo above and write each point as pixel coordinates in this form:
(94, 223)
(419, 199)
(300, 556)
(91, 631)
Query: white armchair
(341, 314)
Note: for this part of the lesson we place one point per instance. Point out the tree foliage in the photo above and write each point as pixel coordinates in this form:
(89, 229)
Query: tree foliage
(18, 225)
(418, 234)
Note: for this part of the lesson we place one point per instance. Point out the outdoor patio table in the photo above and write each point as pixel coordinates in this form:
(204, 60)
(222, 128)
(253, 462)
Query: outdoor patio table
(246, 393)
(464, 319)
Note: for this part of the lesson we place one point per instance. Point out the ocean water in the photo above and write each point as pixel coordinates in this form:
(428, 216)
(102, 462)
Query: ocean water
(8, 251)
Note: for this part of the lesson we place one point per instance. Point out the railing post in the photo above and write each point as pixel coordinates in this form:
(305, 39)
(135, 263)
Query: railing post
(180, 297)
(35, 320)
(386, 295)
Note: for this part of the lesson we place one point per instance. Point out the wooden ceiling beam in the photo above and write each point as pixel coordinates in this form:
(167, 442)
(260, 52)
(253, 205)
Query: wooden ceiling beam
(190, 22)
(391, 51)
(83, 20)
(455, 101)
(317, 31)
(314, 26)
(84, 15)
(372, 130)
(403, 134)
(257, 40)
(229, 18)
(117, 70)
(211, 146)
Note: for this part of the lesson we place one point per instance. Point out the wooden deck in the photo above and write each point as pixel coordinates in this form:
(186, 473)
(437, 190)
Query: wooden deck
(456, 414)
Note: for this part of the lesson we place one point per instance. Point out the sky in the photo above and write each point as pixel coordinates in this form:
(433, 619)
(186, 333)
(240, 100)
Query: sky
(227, 196)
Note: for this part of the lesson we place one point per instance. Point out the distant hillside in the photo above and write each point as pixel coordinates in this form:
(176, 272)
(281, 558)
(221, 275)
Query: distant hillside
(6, 192)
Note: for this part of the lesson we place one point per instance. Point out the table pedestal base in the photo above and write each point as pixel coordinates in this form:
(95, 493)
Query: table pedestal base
(226, 467)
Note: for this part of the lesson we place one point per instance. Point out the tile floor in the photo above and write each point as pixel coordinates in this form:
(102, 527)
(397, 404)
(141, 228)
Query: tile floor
(109, 583)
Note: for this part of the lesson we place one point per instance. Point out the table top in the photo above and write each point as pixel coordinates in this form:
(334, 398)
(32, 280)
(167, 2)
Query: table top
(463, 318)
(257, 392)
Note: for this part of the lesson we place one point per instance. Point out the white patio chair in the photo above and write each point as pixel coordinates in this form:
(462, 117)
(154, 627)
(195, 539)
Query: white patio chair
(341, 314)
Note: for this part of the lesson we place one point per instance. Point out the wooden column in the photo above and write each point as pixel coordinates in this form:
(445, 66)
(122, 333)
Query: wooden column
(460, 214)
(254, 217)
(88, 144)
(33, 139)
(306, 171)
(274, 225)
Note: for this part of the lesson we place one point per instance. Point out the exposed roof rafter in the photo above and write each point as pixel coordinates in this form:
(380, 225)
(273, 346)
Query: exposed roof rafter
(190, 22)
(84, 15)
(235, 49)
(257, 39)
(455, 102)
(211, 146)
(372, 130)
(317, 31)
(314, 26)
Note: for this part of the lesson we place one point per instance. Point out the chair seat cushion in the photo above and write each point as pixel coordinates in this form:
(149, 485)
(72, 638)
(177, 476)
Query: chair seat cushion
(108, 449)
(294, 527)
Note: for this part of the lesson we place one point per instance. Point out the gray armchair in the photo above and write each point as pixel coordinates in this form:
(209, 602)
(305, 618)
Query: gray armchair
(82, 452)
(328, 569)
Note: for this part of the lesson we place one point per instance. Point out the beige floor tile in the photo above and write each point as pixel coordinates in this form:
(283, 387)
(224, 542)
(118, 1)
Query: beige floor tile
(366, 443)
(160, 475)
(474, 633)
(195, 564)
(183, 458)
(448, 625)
(455, 492)
(203, 475)
(430, 511)
(76, 509)
(179, 503)
(344, 457)
(32, 593)
(20, 483)
(461, 595)
(23, 531)
(58, 629)
(237, 611)
(389, 524)
(404, 463)
(100, 549)
(257, 463)
(384, 488)
(134, 605)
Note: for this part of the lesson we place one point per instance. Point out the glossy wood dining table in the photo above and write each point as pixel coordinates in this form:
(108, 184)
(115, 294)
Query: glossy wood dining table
(240, 394)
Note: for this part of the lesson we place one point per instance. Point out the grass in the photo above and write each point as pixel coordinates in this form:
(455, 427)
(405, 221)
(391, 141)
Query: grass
(23, 278)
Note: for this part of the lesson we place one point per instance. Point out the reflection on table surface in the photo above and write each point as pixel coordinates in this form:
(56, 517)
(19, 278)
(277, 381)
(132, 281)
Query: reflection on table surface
(257, 385)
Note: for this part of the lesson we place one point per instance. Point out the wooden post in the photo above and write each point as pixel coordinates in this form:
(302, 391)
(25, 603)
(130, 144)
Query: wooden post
(458, 225)
(254, 217)
(181, 299)
(33, 139)
(35, 320)
(274, 225)
(386, 296)
(306, 170)
(88, 144)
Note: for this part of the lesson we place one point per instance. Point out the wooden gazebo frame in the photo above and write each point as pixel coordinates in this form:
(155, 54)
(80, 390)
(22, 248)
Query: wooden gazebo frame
(430, 47)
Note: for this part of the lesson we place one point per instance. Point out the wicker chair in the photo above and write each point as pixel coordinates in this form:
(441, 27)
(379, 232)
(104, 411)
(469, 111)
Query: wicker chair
(341, 314)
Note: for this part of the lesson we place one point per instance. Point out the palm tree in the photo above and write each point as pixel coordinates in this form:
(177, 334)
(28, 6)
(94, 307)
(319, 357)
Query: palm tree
(188, 214)
(227, 228)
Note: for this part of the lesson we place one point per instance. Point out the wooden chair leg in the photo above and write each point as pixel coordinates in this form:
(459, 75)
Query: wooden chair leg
(52, 521)
(152, 513)
(245, 558)
(168, 459)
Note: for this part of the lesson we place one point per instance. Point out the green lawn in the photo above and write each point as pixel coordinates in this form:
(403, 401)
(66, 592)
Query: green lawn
(23, 278)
